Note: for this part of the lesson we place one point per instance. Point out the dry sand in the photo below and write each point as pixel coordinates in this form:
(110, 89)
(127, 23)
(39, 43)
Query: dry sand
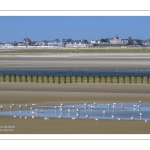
(41, 93)
(75, 60)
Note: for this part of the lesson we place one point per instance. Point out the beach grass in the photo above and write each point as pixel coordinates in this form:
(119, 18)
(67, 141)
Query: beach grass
(86, 50)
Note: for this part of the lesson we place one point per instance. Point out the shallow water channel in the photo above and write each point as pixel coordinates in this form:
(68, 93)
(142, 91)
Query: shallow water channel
(119, 111)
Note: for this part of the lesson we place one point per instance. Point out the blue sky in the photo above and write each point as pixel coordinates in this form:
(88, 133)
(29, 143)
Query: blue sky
(16, 28)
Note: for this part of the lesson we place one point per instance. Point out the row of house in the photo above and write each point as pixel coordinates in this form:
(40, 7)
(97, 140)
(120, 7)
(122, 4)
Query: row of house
(76, 43)
(114, 40)
(128, 41)
(44, 43)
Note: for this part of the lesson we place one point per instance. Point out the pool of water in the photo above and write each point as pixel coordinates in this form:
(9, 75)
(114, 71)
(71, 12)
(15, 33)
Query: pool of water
(119, 111)
(77, 72)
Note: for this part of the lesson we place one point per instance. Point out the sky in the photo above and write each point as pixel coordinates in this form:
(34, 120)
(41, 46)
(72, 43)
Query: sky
(16, 28)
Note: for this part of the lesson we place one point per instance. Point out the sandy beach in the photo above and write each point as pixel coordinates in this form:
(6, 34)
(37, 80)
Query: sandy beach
(48, 94)
(74, 60)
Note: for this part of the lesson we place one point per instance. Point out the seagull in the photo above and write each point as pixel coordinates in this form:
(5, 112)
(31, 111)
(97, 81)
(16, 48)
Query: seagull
(27, 105)
(33, 112)
(33, 117)
(77, 114)
(13, 104)
(20, 117)
(132, 118)
(119, 119)
(104, 112)
(2, 107)
(26, 117)
(77, 110)
(141, 114)
(68, 110)
(122, 105)
(140, 101)
(73, 118)
(20, 106)
(146, 120)
(61, 104)
(87, 116)
(114, 106)
(46, 118)
(33, 104)
(14, 116)
(96, 119)
(113, 117)
(59, 116)
(11, 107)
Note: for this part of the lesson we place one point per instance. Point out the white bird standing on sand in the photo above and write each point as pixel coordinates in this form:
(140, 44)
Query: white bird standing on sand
(33, 104)
(33, 117)
(13, 104)
(46, 118)
(27, 105)
(73, 118)
(20, 106)
(11, 107)
(26, 117)
(132, 118)
(2, 107)
(20, 117)
(119, 119)
(14, 116)
(146, 120)
(96, 119)
(140, 101)
(59, 116)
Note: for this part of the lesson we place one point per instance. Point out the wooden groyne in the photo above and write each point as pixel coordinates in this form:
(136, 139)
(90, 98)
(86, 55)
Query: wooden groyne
(75, 79)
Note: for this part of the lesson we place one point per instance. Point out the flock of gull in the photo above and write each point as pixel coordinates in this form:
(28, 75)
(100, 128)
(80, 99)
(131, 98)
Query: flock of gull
(61, 107)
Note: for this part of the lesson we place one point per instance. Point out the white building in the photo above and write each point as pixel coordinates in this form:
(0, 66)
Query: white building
(8, 44)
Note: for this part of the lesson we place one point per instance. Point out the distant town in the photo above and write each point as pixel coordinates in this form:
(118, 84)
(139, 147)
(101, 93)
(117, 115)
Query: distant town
(129, 42)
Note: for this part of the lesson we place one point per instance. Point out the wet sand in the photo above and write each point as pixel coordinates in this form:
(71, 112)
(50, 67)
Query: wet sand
(46, 94)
